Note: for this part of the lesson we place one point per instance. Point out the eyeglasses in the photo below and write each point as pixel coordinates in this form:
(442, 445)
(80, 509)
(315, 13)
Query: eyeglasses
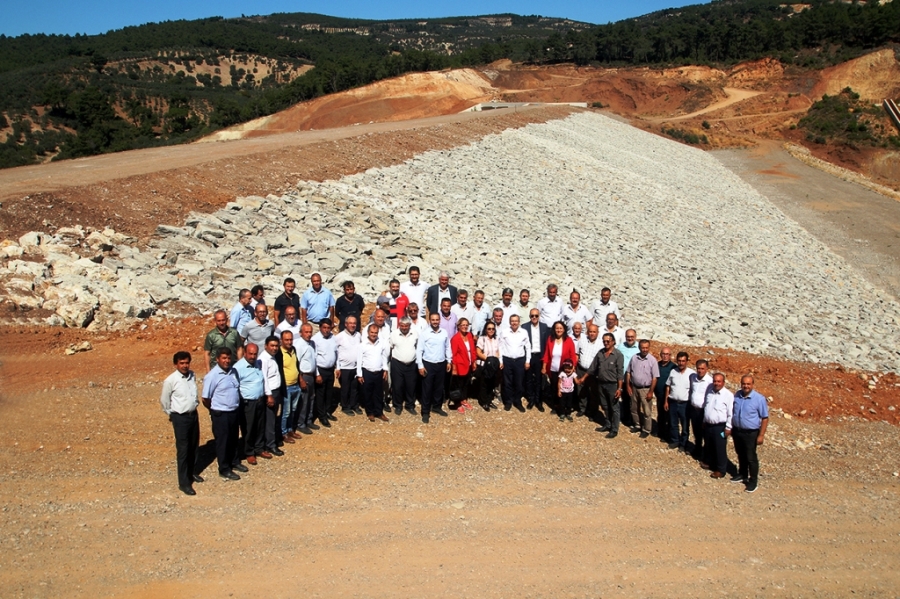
(535, 316)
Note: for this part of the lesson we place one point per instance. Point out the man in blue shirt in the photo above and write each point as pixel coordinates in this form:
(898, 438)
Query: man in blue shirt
(241, 313)
(249, 370)
(749, 422)
(221, 396)
(317, 303)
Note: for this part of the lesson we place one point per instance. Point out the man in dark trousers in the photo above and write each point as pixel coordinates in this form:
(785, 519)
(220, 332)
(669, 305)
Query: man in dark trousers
(538, 335)
(609, 371)
(221, 396)
(750, 418)
(179, 402)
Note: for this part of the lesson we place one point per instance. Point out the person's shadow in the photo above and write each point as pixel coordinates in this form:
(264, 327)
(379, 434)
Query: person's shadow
(206, 455)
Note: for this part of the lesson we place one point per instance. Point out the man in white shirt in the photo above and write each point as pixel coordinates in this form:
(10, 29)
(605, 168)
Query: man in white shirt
(290, 323)
(604, 306)
(420, 325)
(678, 392)
(588, 394)
(415, 289)
(551, 306)
(613, 328)
(306, 357)
(463, 308)
(515, 348)
(718, 406)
(433, 359)
(179, 401)
(699, 381)
(274, 393)
(372, 372)
(326, 360)
(347, 342)
(575, 312)
(506, 306)
(404, 373)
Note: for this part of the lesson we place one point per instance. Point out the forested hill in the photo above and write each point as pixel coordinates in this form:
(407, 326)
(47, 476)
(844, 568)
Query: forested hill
(163, 83)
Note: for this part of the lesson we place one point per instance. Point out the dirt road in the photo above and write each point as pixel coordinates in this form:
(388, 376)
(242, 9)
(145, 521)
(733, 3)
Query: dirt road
(858, 224)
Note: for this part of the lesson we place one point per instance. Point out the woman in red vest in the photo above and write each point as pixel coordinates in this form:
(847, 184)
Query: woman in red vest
(560, 348)
(462, 346)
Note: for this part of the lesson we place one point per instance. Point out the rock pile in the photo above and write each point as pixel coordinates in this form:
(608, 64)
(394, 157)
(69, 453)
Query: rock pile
(694, 254)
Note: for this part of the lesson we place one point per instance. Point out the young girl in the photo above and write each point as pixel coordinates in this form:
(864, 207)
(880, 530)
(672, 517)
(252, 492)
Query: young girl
(566, 390)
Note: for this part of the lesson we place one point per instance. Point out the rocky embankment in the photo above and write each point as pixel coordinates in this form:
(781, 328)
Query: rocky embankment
(694, 254)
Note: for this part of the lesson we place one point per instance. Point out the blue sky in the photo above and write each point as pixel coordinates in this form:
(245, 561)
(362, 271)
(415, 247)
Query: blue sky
(99, 16)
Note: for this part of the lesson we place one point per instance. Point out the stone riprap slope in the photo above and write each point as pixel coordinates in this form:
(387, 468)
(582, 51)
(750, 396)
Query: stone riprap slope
(694, 255)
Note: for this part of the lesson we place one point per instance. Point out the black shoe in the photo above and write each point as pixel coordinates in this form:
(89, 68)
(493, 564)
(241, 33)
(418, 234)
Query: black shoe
(439, 411)
(579, 414)
(569, 418)
(644, 435)
(612, 435)
(325, 422)
(737, 478)
(398, 410)
(277, 452)
(314, 426)
(426, 418)
(240, 468)
(331, 417)
(673, 445)
(521, 408)
(603, 429)
(229, 475)
(562, 418)
(751, 487)
(486, 407)
(359, 411)
(507, 407)
(188, 490)
(305, 430)
(529, 405)
(634, 429)
(540, 407)
(349, 412)
(410, 411)
(198, 478)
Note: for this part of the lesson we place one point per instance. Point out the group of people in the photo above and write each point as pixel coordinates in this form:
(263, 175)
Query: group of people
(270, 379)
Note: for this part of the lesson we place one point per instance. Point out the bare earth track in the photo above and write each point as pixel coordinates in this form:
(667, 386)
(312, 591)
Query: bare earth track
(496, 504)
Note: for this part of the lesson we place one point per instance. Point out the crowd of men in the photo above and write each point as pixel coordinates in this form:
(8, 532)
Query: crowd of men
(273, 377)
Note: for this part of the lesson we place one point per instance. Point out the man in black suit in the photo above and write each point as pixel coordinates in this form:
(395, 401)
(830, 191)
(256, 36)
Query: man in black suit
(538, 334)
(436, 293)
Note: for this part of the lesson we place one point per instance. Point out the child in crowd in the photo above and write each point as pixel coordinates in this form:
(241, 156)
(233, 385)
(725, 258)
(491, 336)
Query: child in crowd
(566, 390)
